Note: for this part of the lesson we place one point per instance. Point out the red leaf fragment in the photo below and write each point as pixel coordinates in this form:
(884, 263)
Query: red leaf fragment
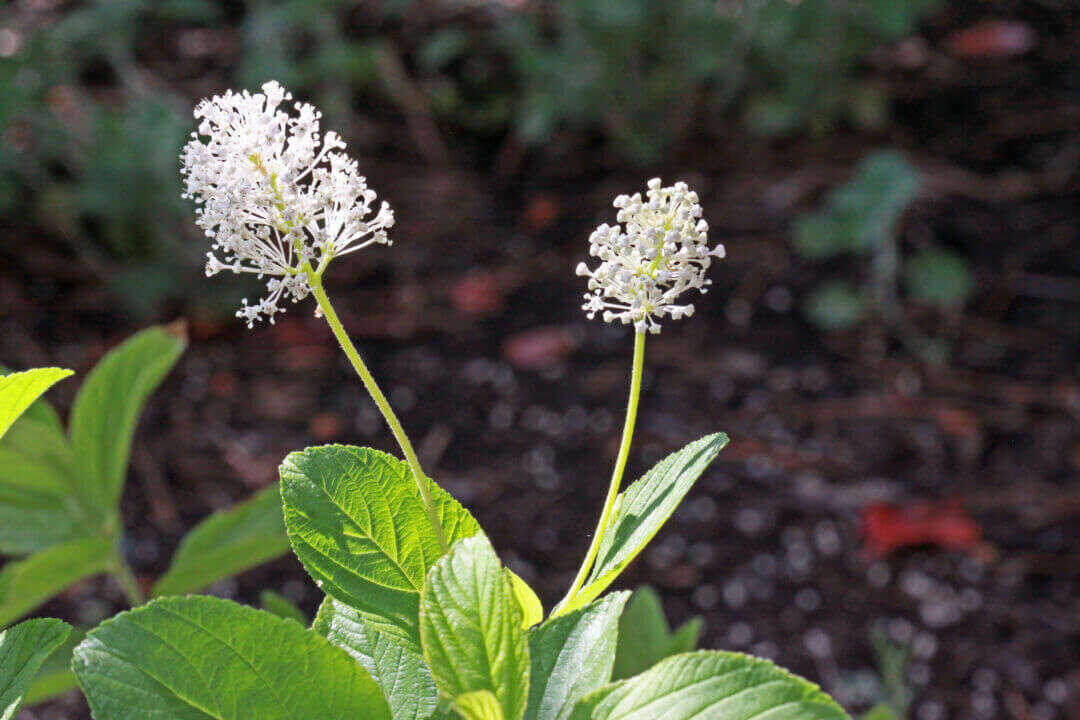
(540, 348)
(945, 524)
(992, 39)
(477, 293)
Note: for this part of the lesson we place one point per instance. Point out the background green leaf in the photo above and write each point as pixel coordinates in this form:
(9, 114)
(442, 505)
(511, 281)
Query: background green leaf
(107, 409)
(23, 649)
(19, 390)
(572, 656)
(24, 584)
(645, 637)
(836, 305)
(531, 608)
(939, 277)
(642, 509)
(356, 521)
(470, 625)
(203, 657)
(278, 604)
(226, 543)
(397, 665)
(714, 685)
(55, 676)
(38, 508)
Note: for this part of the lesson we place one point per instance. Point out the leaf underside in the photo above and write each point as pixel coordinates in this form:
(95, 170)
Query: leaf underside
(642, 509)
(572, 656)
(397, 666)
(711, 685)
(471, 628)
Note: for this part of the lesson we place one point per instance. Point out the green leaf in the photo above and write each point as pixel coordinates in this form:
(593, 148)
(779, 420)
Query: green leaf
(357, 523)
(470, 626)
(25, 584)
(835, 306)
(19, 390)
(714, 685)
(228, 542)
(23, 649)
(278, 604)
(645, 637)
(531, 608)
(572, 656)
(686, 637)
(397, 665)
(641, 510)
(200, 657)
(939, 277)
(479, 705)
(107, 408)
(55, 676)
(37, 506)
(881, 711)
(40, 410)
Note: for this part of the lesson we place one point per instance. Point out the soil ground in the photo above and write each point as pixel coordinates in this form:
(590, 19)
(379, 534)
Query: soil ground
(839, 441)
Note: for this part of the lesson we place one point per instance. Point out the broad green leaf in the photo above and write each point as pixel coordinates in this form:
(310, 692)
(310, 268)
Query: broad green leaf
(531, 608)
(641, 510)
(200, 657)
(19, 390)
(107, 409)
(55, 676)
(470, 626)
(711, 685)
(25, 584)
(278, 604)
(397, 665)
(645, 637)
(23, 649)
(572, 656)
(479, 705)
(226, 543)
(356, 521)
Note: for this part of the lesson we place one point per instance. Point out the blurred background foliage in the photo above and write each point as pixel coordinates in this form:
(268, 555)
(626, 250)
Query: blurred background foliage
(896, 182)
(99, 92)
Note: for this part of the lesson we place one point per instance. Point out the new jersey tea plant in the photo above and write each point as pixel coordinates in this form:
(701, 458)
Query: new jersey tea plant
(420, 619)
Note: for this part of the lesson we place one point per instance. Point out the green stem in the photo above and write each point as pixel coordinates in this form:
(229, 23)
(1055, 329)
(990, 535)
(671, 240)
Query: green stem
(616, 475)
(129, 584)
(315, 281)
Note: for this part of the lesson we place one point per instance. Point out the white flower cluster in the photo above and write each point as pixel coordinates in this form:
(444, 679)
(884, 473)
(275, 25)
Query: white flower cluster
(663, 251)
(275, 200)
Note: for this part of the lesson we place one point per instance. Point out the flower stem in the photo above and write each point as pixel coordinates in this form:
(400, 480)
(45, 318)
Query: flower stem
(315, 281)
(616, 475)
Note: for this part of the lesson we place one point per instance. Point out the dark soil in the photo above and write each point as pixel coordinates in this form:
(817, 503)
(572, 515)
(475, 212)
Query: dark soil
(471, 323)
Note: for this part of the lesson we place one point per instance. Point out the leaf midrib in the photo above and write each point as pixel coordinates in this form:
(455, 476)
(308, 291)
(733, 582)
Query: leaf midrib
(368, 536)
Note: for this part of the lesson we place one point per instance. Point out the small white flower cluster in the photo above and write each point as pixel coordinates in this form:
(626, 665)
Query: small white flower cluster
(275, 200)
(662, 252)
